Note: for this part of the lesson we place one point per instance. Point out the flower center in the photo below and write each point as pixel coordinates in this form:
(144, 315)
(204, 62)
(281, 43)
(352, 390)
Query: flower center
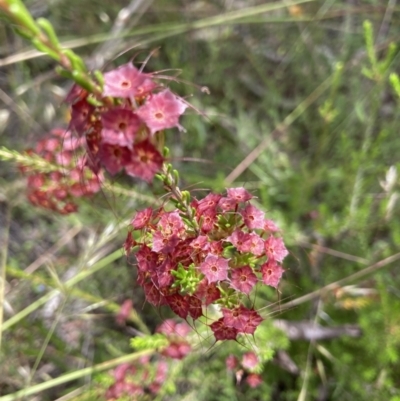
(125, 84)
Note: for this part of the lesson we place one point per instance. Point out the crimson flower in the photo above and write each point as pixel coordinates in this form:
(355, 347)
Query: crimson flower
(142, 218)
(222, 331)
(145, 161)
(114, 157)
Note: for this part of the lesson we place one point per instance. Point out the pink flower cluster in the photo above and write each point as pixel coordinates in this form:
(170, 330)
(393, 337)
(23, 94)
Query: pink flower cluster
(176, 333)
(137, 380)
(245, 367)
(141, 378)
(121, 130)
(215, 257)
(57, 190)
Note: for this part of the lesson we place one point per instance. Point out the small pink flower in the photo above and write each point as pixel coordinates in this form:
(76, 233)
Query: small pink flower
(145, 161)
(238, 239)
(215, 268)
(81, 113)
(223, 332)
(275, 249)
(231, 362)
(119, 126)
(253, 244)
(216, 248)
(239, 194)
(254, 380)
(209, 292)
(162, 371)
(179, 305)
(243, 279)
(253, 217)
(209, 203)
(124, 312)
(123, 82)
(121, 370)
(227, 204)
(270, 226)
(236, 317)
(200, 243)
(271, 273)
(145, 88)
(114, 157)
(142, 218)
(167, 327)
(208, 220)
(249, 360)
(242, 319)
(171, 223)
(162, 111)
(153, 294)
(195, 309)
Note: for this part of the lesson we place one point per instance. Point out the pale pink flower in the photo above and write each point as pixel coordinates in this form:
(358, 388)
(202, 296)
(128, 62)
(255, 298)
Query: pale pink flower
(275, 249)
(215, 268)
(243, 279)
(271, 273)
(239, 194)
(123, 82)
(253, 217)
(119, 126)
(162, 111)
(249, 360)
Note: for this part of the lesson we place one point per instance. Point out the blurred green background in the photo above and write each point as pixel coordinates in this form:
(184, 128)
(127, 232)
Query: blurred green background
(302, 112)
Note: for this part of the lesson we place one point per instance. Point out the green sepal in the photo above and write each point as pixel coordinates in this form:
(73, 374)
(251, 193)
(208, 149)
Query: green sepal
(94, 102)
(391, 53)
(98, 75)
(63, 72)
(23, 32)
(186, 279)
(160, 177)
(186, 197)
(369, 43)
(76, 61)
(175, 174)
(82, 79)
(45, 49)
(46, 25)
(165, 152)
(395, 82)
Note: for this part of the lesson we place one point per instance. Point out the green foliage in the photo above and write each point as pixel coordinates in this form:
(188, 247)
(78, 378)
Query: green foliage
(155, 341)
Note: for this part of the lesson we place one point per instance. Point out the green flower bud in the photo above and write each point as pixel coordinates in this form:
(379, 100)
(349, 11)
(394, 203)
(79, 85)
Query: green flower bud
(45, 49)
(49, 30)
(76, 61)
